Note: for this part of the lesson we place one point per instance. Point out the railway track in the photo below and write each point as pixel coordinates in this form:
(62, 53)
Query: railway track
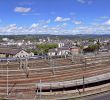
(94, 66)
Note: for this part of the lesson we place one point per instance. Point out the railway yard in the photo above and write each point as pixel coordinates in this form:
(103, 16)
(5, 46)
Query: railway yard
(53, 78)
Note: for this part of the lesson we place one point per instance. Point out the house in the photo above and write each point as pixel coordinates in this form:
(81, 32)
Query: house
(75, 50)
(12, 52)
(60, 45)
(63, 51)
(59, 51)
(23, 53)
(52, 52)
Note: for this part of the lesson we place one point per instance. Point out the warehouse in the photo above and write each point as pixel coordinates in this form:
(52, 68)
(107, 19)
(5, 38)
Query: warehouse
(14, 52)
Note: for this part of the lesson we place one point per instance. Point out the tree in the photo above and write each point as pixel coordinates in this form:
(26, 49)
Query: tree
(92, 48)
(44, 48)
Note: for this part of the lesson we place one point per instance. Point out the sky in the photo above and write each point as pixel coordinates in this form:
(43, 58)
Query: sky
(54, 17)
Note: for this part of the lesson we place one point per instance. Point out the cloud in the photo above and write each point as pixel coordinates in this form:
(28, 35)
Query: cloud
(101, 19)
(85, 1)
(94, 29)
(34, 25)
(104, 17)
(35, 28)
(43, 27)
(22, 9)
(11, 27)
(8, 29)
(64, 24)
(60, 19)
(107, 22)
(48, 21)
(30, 14)
(81, 1)
(77, 22)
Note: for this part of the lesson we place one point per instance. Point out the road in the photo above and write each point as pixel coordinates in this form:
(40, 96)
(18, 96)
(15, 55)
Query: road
(105, 96)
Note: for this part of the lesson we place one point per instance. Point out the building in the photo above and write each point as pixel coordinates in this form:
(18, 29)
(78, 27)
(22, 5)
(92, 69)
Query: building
(59, 51)
(52, 52)
(75, 50)
(12, 52)
(60, 45)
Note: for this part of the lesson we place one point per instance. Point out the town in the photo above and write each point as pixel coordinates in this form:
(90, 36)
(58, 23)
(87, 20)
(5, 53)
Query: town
(51, 46)
(54, 49)
(51, 67)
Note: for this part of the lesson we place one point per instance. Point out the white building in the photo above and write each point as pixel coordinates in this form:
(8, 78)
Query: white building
(23, 53)
(60, 45)
(59, 52)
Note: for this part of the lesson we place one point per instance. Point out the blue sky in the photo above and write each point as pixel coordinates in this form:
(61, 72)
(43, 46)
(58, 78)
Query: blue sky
(54, 16)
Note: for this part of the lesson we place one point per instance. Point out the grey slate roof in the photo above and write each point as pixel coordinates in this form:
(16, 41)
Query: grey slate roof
(10, 51)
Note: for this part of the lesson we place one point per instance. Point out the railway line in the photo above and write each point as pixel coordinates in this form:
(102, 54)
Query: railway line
(61, 71)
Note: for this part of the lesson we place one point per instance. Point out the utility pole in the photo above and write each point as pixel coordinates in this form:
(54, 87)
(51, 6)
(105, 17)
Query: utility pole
(84, 70)
(65, 55)
(21, 63)
(1, 66)
(40, 90)
(72, 56)
(7, 77)
(37, 91)
(26, 67)
(52, 65)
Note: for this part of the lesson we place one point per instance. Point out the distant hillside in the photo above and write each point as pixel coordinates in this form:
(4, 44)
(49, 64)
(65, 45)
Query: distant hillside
(36, 37)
